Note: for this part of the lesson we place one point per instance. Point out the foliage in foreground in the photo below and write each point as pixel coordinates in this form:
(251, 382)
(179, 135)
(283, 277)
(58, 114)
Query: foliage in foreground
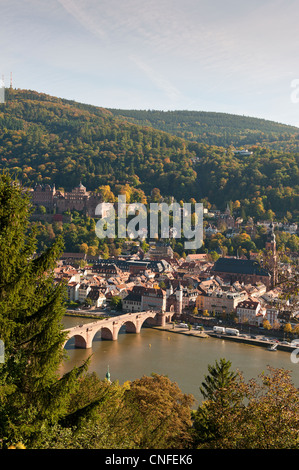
(260, 414)
(148, 413)
(32, 394)
(152, 413)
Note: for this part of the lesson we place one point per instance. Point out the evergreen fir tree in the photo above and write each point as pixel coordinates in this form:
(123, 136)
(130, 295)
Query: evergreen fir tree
(219, 395)
(32, 394)
(219, 379)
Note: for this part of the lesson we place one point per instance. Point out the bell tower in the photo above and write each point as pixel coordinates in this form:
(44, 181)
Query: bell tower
(272, 255)
(179, 298)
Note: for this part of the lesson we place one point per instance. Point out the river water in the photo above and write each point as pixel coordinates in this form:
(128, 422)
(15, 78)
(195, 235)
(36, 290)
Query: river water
(182, 358)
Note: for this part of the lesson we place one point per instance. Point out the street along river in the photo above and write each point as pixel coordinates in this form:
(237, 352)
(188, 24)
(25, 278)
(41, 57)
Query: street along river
(184, 359)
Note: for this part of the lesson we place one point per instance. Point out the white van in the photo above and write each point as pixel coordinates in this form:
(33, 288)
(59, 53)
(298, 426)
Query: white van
(232, 331)
(218, 329)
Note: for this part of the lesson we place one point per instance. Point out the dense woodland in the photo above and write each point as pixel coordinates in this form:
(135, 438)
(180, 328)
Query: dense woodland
(219, 129)
(51, 140)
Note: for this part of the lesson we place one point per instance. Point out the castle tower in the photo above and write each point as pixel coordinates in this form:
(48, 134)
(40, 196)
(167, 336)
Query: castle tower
(272, 255)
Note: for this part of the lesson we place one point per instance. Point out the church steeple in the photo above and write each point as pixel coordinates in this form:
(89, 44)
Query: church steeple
(108, 375)
(272, 254)
(179, 298)
(227, 210)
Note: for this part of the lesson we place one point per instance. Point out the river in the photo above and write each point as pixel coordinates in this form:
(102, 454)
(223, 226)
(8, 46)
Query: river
(183, 359)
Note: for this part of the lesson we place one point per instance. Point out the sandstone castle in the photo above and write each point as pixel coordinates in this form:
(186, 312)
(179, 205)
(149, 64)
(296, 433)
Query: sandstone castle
(78, 199)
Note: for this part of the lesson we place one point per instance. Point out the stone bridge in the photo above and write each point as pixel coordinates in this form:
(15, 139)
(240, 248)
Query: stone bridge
(110, 327)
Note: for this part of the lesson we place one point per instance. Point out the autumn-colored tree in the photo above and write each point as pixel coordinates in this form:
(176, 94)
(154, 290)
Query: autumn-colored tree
(92, 250)
(288, 328)
(156, 195)
(84, 248)
(271, 417)
(161, 413)
(267, 325)
(259, 414)
(106, 193)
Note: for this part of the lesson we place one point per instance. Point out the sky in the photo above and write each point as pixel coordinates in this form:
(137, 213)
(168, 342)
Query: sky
(231, 56)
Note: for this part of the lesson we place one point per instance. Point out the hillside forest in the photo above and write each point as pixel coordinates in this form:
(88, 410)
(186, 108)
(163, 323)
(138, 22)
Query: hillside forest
(52, 140)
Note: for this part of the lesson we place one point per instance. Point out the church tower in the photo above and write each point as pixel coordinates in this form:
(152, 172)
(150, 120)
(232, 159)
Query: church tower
(272, 255)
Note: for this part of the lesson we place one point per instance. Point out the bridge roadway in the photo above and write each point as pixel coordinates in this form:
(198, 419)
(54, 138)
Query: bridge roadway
(110, 327)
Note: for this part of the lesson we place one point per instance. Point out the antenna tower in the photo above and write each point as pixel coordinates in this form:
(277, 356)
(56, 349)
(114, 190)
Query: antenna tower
(10, 79)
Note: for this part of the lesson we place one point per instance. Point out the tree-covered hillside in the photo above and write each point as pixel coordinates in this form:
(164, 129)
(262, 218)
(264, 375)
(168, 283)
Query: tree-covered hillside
(52, 140)
(220, 129)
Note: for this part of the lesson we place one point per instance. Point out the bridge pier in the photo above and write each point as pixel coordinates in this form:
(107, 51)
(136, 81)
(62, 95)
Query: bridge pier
(84, 340)
(134, 327)
(106, 333)
(160, 319)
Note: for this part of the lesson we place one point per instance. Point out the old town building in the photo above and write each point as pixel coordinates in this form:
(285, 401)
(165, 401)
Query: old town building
(246, 271)
(249, 311)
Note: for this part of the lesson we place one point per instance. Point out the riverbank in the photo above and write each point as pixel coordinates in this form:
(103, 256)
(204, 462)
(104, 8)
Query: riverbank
(182, 331)
(96, 315)
(210, 334)
(207, 333)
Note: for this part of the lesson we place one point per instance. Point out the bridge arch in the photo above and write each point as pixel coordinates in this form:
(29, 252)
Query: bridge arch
(106, 333)
(133, 322)
(80, 341)
(131, 326)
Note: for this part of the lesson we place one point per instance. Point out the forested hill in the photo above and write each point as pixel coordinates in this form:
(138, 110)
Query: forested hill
(52, 140)
(216, 128)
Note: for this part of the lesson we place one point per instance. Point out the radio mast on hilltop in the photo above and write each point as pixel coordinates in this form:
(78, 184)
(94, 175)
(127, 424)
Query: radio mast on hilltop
(10, 79)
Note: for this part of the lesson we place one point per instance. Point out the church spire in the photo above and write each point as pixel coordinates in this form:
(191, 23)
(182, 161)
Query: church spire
(108, 375)
(272, 254)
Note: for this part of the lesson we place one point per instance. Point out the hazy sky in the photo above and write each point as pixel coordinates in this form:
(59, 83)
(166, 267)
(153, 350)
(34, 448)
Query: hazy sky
(231, 56)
